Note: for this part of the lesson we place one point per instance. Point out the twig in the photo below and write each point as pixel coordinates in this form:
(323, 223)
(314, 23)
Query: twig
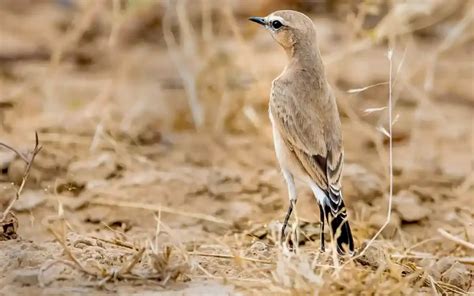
(455, 239)
(390, 193)
(26, 174)
(157, 208)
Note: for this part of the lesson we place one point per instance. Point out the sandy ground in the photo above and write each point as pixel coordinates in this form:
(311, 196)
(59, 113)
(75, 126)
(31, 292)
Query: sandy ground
(127, 198)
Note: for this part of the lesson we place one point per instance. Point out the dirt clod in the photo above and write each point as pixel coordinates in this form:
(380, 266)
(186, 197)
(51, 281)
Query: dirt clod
(450, 271)
(360, 183)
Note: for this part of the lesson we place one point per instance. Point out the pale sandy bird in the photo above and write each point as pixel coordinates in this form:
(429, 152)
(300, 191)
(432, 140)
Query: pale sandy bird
(306, 125)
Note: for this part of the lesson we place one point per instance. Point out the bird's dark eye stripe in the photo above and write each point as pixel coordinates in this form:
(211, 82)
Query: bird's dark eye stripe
(277, 24)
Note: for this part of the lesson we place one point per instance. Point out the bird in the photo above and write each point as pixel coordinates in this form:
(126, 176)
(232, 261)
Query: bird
(306, 126)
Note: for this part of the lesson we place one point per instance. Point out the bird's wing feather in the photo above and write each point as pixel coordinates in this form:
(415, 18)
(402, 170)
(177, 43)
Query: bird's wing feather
(302, 129)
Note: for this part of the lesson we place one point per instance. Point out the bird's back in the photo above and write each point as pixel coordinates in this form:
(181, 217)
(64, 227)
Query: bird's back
(304, 99)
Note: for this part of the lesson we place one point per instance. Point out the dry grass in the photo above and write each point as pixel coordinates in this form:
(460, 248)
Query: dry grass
(158, 172)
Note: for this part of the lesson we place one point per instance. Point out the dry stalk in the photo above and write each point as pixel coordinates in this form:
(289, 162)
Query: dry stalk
(455, 239)
(390, 133)
(26, 174)
(117, 242)
(224, 256)
(157, 208)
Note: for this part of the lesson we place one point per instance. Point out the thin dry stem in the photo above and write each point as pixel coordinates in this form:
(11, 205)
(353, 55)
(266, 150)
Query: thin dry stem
(224, 256)
(157, 208)
(390, 193)
(26, 174)
(455, 239)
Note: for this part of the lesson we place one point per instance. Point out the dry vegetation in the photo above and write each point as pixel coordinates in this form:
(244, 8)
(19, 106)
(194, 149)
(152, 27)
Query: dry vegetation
(157, 169)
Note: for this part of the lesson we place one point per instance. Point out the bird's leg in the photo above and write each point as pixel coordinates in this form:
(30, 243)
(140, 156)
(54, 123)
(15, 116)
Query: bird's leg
(322, 217)
(287, 217)
(292, 195)
(295, 238)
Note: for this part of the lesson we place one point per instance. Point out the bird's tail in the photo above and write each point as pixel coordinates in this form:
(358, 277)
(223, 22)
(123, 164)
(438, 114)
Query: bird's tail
(340, 229)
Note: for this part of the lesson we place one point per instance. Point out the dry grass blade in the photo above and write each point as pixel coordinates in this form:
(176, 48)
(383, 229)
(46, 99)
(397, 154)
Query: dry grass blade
(224, 256)
(157, 208)
(375, 109)
(358, 90)
(26, 174)
(390, 137)
(455, 239)
(117, 242)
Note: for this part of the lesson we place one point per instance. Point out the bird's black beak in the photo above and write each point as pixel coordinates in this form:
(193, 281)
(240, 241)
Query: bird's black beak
(258, 20)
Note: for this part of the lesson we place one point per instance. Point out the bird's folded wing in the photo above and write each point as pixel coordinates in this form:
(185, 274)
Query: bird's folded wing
(302, 129)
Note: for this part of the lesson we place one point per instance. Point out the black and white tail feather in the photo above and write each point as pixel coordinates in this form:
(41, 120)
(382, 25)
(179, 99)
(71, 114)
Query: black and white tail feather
(334, 209)
(335, 215)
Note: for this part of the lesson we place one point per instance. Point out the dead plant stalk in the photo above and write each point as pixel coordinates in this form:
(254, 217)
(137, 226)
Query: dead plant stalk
(26, 174)
(390, 165)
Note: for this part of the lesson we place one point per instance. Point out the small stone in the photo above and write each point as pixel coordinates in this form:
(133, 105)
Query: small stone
(450, 271)
(409, 206)
(374, 256)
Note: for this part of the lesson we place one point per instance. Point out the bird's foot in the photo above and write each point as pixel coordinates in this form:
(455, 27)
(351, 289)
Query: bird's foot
(289, 240)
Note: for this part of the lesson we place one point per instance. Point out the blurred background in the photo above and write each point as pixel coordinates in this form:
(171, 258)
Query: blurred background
(165, 103)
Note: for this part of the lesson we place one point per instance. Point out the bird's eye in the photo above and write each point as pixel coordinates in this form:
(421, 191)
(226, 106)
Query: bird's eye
(277, 24)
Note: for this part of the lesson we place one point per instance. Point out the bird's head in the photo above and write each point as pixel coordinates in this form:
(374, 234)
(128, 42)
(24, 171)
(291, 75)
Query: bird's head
(289, 28)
